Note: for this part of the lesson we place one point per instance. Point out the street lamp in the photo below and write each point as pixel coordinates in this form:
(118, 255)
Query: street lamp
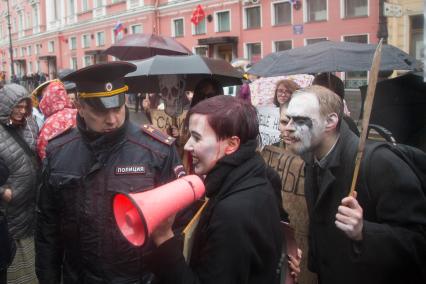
(12, 68)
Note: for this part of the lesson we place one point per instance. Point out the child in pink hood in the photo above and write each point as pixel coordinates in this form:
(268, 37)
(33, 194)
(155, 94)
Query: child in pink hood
(59, 112)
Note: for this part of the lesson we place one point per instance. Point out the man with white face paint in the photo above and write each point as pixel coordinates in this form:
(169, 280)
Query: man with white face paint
(377, 235)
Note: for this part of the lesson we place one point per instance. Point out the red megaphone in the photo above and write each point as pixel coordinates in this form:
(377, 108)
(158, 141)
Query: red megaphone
(138, 214)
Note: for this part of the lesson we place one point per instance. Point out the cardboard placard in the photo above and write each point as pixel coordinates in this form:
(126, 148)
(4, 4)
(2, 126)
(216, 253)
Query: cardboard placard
(291, 170)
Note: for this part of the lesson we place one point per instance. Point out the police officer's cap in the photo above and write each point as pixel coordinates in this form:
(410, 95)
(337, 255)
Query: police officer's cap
(102, 85)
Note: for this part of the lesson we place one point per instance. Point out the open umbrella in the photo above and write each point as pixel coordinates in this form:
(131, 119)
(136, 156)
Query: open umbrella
(329, 56)
(399, 106)
(194, 67)
(141, 46)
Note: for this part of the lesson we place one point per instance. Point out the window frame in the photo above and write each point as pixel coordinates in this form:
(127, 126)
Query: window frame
(274, 42)
(246, 50)
(194, 28)
(173, 20)
(306, 15)
(245, 18)
(216, 21)
(274, 20)
(70, 45)
(97, 43)
(343, 10)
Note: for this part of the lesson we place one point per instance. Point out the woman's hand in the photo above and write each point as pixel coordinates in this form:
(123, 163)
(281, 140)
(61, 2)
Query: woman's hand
(163, 232)
(294, 265)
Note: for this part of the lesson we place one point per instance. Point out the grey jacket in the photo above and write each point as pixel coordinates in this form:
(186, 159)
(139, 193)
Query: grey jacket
(20, 210)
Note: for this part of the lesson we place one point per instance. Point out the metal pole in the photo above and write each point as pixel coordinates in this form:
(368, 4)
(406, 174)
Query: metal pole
(12, 69)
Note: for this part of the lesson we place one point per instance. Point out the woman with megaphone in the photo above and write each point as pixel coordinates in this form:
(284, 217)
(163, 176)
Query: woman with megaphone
(238, 238)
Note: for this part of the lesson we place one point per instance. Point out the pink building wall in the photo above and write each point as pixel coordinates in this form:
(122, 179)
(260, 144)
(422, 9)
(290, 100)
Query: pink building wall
(157, 16)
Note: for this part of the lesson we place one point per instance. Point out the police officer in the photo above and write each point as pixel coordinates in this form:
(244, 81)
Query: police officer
(85, 167)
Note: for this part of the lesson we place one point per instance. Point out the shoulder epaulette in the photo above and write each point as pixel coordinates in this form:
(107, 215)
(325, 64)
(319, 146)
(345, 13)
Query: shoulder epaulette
(157, 134)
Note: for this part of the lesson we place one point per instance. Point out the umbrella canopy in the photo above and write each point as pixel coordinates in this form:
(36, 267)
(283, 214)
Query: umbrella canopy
(329, 56)
(141, 46)
(399, 106)
(194, 67)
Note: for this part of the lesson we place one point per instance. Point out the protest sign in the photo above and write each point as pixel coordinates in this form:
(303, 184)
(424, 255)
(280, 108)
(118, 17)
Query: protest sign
(269, 122)
(291, 171)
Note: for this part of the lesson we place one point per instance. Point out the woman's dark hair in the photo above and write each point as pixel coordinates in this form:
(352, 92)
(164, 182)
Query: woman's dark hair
(199, 94)
(229, 116)
(289, 85)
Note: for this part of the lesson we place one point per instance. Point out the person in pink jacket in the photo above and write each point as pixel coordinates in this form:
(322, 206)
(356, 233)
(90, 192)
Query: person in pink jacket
(59, 112)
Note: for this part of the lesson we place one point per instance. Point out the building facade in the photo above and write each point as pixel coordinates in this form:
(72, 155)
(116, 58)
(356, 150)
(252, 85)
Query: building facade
(406, 26)
(49, 35)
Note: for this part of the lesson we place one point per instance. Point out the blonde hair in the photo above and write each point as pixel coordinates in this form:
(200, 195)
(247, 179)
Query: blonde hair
(329, 102)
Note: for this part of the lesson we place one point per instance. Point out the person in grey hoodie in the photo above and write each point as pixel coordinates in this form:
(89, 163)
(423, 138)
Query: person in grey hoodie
(18, 135)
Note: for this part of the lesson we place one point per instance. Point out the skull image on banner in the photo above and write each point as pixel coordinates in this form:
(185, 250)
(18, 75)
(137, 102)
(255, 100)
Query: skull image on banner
(172, 89)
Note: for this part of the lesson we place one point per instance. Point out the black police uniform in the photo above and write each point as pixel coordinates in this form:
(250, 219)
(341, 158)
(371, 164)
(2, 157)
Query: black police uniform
(83, 170)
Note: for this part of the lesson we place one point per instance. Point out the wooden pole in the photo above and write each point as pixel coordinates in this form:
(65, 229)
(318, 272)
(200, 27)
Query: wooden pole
(368, 104)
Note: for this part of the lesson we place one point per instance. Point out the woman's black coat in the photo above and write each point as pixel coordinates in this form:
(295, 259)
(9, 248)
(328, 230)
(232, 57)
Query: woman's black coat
(238, 239)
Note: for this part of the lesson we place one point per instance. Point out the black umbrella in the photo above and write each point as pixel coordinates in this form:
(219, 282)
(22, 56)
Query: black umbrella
(329, 56)
(399, 106)
(194, 67)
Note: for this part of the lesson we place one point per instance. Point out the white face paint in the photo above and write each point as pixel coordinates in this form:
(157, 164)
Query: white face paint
(305, 129)
(172, 89)
(203, 144)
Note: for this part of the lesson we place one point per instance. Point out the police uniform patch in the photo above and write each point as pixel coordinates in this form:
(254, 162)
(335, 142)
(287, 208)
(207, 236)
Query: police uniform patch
(157, 134)
(129, 170)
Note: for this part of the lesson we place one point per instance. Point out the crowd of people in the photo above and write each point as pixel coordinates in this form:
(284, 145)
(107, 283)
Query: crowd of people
(69, 147)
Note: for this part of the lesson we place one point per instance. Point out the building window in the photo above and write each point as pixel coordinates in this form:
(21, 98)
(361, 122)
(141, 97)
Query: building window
(136, 29)
(310, 41)
(177, 28)
(85, 41)
(87, 60)
(201, 50)
(23, 51)
(223, 23)
(51, 46)
(30, 67)
(199, 29)
(37, 48)
(417, 48)
(98, 3)
(316, 10)
(28, 21)
(100, 38)
(283, 45)
(21, 25)
(282, 13)
(133, 4)
(355, 79)
(71, 7)
(252, 17)
(254, 51)
(29, 50)
(36, 14)
(84, 5)
(73, 63)
(72, 43)
(355, 8)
